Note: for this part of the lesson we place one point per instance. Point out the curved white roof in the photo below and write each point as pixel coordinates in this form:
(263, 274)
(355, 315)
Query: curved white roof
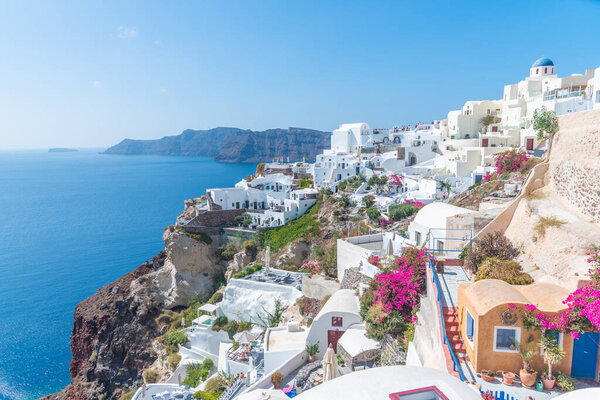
(379, 383)
(355, 341)
(357, 125)
(434, 215)
(344, 300)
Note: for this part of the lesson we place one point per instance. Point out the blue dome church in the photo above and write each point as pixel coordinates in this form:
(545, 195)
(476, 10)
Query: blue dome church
(541, 67)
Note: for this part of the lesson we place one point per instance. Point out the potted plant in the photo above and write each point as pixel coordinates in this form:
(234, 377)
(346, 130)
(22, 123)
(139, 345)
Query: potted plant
(566, 383)
(277, 378)
(553, 355)
(487, 375)
(527, 375)
(311, 350)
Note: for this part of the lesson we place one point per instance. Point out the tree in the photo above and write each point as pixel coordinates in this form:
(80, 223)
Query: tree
(373, 213)
(487, 121)
(368, 201)
(553, 354)
(378, 181)
(545, 124)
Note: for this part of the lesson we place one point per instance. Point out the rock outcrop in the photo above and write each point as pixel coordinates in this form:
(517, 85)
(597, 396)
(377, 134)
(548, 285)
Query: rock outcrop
(233, 144)
(294, 253)
(113, 329)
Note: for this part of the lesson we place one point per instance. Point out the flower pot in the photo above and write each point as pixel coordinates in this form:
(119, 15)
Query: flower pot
(508, 378)
(539, 385)
(486, 377)
(277, 385)
(311, 359)
(548, 383)
(527, 378)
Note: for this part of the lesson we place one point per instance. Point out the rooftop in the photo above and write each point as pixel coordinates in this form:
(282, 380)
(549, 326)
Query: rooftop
(344, 300)
(434, 214)
(278, 277)
(542, 62)
(280, 339)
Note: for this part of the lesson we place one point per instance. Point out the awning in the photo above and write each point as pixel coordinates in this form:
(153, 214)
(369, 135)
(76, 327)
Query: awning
(209, 308)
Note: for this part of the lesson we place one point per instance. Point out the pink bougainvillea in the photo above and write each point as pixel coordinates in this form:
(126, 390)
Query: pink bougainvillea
(395, 180)
(583, 307)
(510, 160)
(415, 203)
(374, 260)
(312, 267)
(385, 222)
(399, 289)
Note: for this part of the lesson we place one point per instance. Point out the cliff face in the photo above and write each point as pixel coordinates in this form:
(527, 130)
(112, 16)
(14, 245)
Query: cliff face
(232, 144)
(113, 329)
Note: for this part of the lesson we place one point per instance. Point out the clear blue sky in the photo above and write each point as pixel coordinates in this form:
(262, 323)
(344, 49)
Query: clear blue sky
(91, 73)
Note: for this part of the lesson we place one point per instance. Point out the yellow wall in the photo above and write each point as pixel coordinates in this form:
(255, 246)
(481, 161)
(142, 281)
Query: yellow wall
(483, 356)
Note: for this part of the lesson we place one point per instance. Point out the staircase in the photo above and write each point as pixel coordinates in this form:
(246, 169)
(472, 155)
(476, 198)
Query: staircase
(455, 341)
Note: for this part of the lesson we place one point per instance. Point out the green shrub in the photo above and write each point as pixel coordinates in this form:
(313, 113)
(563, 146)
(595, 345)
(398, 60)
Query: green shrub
(150, 376)
(250, 247)
(208, 364)
(373, 214)
(398, 212)
(506, 270)
(127, 396)
(173, 360)
(368, 201)
(215, 385)
(292, 268)
(232, 328)
(305, 183)
(201, 395)
(491, 245)
(201, 237)
(194, 374)
(566, 382)
(329, 262)
(221, 321)
(215, 298)
(227, 251)
(175, 337)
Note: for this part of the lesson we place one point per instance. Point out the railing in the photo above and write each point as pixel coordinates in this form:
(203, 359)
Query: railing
(455, 363)
(232, 389)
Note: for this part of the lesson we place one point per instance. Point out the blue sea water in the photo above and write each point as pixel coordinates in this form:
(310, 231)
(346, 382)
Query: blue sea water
(69, 224)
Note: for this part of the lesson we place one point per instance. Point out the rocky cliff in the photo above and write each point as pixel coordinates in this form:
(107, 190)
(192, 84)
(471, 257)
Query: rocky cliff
(233, 144)
(113, 329)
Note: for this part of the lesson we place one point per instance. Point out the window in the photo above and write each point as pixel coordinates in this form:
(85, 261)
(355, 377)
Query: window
(545, 70)
(426, 393)
(418, 237)
(556, 335)
(537, 71)
(470, 328)
(506, 339)
(440, 246)
(337, 321)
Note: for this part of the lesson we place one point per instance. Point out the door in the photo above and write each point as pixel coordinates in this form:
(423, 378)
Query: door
(529, 146)
(333, 337)
(585, 353)
(484, 142)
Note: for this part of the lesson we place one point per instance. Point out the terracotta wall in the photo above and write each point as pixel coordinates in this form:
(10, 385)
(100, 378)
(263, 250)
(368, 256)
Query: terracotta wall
(483, 355)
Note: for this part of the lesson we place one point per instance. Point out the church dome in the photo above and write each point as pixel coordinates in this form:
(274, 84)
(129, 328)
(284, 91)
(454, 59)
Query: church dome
(543, 62)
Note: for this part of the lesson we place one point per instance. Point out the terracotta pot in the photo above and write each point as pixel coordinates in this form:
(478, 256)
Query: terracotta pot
(487, 378)
(508, 378)
(311, 359)
(277, 385)
(527, 379)
(548, 383)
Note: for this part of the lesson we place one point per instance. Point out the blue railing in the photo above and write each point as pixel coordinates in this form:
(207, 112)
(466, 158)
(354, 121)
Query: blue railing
(499, 395)
(455, 363)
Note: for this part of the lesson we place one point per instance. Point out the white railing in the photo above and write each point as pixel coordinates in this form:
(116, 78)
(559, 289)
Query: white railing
(232, 389)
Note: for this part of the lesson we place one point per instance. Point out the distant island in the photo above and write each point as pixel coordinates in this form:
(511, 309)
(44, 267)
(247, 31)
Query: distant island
(61, 150)
(233, 144)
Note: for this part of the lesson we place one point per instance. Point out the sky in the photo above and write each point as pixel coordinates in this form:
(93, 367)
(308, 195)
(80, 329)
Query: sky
(90, 73)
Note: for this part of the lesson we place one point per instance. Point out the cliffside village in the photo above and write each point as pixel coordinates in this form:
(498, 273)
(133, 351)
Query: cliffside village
(447, 301)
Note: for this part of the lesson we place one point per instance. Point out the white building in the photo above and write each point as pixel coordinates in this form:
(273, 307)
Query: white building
(335, 167)
(433, 217)
(339, 313)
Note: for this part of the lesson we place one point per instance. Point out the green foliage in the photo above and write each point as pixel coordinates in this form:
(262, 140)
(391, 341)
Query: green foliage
(329, 262)
(526, 351)
(312, 349)
(208, 363)
(344, 200)
(567, 383)
(221, 321)
(175, 337)
(368, 201)
(201, 237)
(250, 247)
(487, 121)
(215, 298)
(398, 212)
(507, 270)
(232, 328)
(259, 169)
(150, 376)
(271, 319)
(302, 228)
(277, 377)
(202, 395)
(373, 214)
(227, 251)
(553, 354)
(127, 396)
(194, 374)
(290, 267)
(326, 192)
(491, 245)
(250, 269)
(217, 384)
(306, 183)
(340, 359)
(545, 123)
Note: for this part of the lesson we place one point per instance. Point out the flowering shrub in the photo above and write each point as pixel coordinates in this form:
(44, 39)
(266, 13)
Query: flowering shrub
(488, 176)
(374, 260)
(583, 308)
(417, 204)
(510, 160)
(311, 267)
(385, 222)
(395, 180)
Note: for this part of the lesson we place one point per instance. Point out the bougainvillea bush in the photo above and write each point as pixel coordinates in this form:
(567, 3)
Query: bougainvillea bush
(583, 307)
(312, 267)
(384, 222)
(374, 260)
(392, 300)
(510, 160)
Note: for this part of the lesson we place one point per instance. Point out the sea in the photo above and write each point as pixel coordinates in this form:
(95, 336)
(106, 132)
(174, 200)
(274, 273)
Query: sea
(71, 223)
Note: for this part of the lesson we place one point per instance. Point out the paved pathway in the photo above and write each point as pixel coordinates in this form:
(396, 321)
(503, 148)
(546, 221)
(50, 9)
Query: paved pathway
(452, 277)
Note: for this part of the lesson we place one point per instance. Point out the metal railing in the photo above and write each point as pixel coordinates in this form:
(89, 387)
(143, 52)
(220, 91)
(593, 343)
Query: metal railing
(232, 389)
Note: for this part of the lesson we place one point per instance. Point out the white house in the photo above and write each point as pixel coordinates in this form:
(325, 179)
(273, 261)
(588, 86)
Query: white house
(339, 313)
(335, 167)
(433, 217)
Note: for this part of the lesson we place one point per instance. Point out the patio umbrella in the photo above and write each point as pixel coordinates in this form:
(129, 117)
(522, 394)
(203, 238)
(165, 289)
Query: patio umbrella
(390, 248)
(243, 337)
(330, 365)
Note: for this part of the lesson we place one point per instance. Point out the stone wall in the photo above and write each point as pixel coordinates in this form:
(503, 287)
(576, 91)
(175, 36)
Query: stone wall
(352, 278)
(575, 162)
(214, 218)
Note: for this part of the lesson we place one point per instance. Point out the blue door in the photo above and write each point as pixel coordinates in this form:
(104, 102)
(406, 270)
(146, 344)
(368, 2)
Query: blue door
(585, 354)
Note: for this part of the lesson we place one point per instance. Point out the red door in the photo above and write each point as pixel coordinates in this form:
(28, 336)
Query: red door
(529, 144)
(333, 337)
(484, 142)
